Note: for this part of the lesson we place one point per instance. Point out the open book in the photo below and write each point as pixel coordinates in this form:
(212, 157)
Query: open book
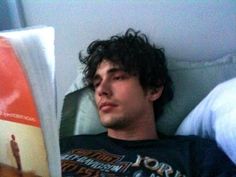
(29, 142)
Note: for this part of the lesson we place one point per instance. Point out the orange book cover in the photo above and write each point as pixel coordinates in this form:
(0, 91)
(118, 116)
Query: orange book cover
(22, 147)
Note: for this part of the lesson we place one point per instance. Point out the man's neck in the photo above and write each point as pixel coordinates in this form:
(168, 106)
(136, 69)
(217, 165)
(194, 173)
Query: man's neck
(144, 132)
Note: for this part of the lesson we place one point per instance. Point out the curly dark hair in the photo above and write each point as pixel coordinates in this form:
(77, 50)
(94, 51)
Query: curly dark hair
(135, 55)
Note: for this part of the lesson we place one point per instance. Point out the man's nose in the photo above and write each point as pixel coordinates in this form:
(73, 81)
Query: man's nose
(104, 88)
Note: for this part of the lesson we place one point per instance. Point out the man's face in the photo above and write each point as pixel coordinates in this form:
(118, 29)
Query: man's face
(120, 99)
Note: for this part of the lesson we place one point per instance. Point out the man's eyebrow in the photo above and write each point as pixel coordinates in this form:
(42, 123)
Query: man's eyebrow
(109, 71)
(115, 69)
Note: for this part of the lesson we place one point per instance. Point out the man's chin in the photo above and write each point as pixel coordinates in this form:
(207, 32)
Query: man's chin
(113, 124)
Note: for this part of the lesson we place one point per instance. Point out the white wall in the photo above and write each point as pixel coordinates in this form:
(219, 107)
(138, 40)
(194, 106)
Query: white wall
(193, 30)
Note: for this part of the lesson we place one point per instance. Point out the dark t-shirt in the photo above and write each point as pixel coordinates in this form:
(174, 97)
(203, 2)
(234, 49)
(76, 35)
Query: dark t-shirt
(177, 156)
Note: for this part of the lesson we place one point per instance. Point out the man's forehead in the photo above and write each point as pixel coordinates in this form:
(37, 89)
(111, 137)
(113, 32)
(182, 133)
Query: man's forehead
(106, 66)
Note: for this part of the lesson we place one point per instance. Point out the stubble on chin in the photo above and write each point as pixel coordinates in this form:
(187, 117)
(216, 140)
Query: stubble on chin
(113, 122)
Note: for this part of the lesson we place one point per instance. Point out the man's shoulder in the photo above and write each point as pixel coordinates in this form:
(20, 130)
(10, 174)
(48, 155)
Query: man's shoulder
(70, 142)
(188, 138)
(192, 139)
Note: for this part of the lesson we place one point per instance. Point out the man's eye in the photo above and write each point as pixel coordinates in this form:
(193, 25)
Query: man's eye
(119, 77)
(96, 84)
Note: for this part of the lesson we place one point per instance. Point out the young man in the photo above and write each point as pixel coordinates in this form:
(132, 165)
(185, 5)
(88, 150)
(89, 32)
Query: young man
(131, 85)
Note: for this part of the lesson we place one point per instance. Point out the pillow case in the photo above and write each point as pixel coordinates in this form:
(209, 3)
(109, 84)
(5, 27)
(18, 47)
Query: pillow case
(215, 118)
(192, 82)
(79, 114)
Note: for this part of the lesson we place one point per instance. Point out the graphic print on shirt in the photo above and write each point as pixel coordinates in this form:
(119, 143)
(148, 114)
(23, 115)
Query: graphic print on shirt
(100, 163)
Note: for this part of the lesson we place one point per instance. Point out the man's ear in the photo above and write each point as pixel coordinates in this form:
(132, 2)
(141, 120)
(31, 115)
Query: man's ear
(156, 93)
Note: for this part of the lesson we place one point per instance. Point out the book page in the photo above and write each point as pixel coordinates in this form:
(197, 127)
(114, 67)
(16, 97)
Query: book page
(22, 147)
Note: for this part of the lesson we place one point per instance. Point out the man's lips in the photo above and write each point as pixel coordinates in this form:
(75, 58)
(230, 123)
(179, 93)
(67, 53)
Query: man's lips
(106, 106)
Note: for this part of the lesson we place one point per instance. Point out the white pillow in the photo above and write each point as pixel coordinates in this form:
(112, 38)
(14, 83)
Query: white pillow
(215, 118)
